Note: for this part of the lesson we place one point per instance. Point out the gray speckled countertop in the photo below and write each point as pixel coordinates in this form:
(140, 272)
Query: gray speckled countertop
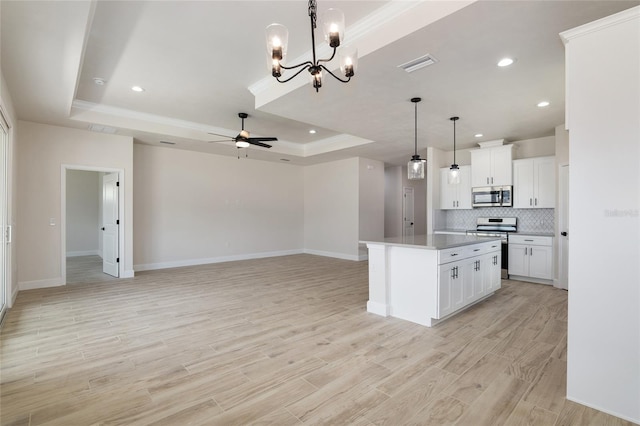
(433, 241)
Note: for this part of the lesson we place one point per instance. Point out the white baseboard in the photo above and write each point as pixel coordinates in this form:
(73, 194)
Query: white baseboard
(343, 256)
(14, 294)
(83, 253)
(377, 308)
(205, 261)
(130, 273)
(604, 410)
(31, 285)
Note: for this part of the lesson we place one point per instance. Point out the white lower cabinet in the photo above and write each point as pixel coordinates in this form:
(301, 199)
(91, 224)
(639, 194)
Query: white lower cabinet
(531, 258)
(473, 275)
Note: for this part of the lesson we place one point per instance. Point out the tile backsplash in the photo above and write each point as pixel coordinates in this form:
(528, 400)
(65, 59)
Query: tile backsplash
(529, 220)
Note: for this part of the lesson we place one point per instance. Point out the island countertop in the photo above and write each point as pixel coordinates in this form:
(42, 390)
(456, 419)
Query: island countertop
(433, 241)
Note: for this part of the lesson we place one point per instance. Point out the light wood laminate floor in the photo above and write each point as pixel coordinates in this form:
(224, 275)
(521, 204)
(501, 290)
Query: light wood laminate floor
(280, 341)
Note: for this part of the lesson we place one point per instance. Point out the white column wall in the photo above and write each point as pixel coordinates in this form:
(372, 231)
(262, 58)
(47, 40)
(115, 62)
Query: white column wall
(42, 151)
(603, 110)
(195, 208)
(370, 203)
(331, 211)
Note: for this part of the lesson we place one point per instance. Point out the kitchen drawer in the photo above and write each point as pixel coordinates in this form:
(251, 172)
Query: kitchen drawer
(487, 248)
(454, 254)
(530, 240)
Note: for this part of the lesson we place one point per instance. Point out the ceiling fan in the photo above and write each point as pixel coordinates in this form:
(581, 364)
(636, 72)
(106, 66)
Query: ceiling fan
(243, 140)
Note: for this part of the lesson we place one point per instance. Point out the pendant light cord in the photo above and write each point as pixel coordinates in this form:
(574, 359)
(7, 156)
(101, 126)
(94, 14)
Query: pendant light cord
(416, 130)
(454, 119)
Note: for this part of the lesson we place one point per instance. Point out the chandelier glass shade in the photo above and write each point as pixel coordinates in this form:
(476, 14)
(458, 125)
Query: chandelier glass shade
(415, 167)
(333, 27)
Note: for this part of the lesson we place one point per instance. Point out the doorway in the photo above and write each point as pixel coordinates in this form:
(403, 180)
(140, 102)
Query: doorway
(563, 227)
(407, 212)
(92, 231)
(5, 231)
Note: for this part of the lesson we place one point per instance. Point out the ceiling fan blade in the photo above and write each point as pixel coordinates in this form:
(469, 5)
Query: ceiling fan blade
(258, 139)
(252, 141)
(218, 134)
(222, 140)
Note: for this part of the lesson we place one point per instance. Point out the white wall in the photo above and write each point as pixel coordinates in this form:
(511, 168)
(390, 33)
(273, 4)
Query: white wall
(538, 147)
(603, 106)
(6, 105)
(331, 211)
(371, 197)
(83, 197)
(193, 208)
(393, 201)
(42, 152)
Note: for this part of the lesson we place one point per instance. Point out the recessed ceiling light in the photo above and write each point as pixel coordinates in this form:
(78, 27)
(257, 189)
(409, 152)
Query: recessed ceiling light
(478, 135)
(543, 104)
(137, 89)
(99, 81)
(505, 62)
(312, 131)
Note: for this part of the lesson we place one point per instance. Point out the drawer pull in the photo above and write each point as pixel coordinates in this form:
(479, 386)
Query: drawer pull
(476, 250)
(528, 240)
(453, 254)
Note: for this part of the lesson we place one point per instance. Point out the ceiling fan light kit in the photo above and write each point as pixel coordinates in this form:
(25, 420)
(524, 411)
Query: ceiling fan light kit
(415, 167)
(243, 140)
(333, 26)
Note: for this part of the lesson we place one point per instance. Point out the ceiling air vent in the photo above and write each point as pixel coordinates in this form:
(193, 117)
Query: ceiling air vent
(102, 129)
(416, 64)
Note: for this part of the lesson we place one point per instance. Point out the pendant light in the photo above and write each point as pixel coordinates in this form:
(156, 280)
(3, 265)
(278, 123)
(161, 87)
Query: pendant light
(415, 167)
(454, 170)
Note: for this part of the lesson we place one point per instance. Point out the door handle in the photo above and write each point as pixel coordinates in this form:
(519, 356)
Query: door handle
(564, 234)
(103, 228)
(411, 223)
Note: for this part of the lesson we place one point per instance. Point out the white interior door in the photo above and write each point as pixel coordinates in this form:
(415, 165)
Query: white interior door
(4, 207)
(563, 227)
(110, 224)
(407, 212)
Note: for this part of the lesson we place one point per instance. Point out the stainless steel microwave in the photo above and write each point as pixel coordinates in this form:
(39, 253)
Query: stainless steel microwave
(492, 196)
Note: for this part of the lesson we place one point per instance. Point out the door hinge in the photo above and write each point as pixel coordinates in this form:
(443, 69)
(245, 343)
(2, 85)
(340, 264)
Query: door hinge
(117, 183)
(117, 221)
(117, 260)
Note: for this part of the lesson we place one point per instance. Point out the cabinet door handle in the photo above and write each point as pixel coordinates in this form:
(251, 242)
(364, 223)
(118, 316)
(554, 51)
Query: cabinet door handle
(531, 251)
(525, 251)
(453, 254)
(456, 272)
(457, 203)
(536, 201)
(453, 273)
(491, 180)
(529, 240)
(530, 201)
(487, 181)
(476, 249)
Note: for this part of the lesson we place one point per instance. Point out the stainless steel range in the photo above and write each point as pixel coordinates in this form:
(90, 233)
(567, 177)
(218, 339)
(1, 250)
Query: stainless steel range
(497, 227)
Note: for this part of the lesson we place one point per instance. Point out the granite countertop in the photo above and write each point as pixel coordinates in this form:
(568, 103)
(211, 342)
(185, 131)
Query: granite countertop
(433, 241)
(536, 234)
(450, 230)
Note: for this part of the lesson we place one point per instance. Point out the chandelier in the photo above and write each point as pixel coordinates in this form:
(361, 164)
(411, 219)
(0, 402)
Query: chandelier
(333, 25)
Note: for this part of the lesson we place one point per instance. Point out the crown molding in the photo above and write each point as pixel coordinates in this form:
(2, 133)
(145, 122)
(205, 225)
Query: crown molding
(600, 24)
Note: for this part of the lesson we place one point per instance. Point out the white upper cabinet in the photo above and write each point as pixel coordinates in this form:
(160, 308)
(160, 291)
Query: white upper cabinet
(455, 196)
(534, 183)
(491, 166)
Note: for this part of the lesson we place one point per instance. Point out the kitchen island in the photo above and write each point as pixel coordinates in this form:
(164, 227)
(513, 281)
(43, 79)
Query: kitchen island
(428, 278)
